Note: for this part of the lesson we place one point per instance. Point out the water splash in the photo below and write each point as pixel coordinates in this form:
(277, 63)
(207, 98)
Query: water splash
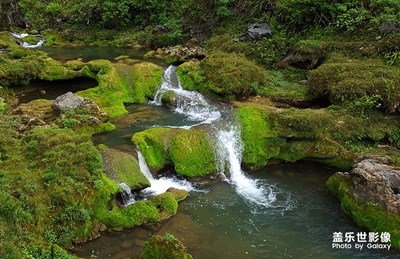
(161, 185)
(229, 150)
(24, 44)
(191, 104)
(126, 194)
(30, 46)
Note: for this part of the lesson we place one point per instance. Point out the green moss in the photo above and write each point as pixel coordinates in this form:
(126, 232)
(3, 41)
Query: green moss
(191, 153)
(127, 81)
(192, 76)
(164, 247)
(123, 167)
(260, 140)
(31, 39)
(231, 75)
(153, 144)
(188, 150)
(346, 80)
(365, 214)
(160, 207)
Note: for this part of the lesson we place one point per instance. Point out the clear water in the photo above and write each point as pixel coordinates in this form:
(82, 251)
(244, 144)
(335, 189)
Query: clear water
(90, 53)
(220, 224)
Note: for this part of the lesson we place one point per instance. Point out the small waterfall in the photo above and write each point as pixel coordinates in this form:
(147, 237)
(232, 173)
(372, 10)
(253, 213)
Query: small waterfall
(229, 145)
(158, 186)
(230, 148)
(30, 46)
(24, 44)
(189, 103)
(126, 194)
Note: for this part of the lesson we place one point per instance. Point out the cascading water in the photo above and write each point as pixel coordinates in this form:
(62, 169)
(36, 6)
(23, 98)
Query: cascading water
(158, 186)
(227, 137)
(24, 44)
(189, 103)
(126, 194)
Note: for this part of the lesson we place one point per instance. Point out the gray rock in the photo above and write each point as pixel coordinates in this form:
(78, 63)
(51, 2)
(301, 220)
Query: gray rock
(387, 27)
(68, 101)
(183, 53)
(374, 180)
(161, 29)
(255, 32)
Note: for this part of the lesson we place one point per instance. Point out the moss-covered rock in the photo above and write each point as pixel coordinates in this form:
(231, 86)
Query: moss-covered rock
(158, 208)
(346, 80)
(123, 167)
(164, 247)
(260, 140)
(191, 153)
(330, 136)
(127, 81)
(154, 144)
(362, 208)
(40, 108)
(231, 75)
(188, 151)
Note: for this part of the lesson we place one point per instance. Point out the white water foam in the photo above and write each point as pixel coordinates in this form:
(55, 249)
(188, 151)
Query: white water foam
(126, 194)
(30, 46)
(162, 184)
(19, 36)
(25, 44)
(191, 104)
(230, 149)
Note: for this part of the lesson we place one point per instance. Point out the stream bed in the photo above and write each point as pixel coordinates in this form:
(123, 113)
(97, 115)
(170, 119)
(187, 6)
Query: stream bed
(220, 224)
(295, 218)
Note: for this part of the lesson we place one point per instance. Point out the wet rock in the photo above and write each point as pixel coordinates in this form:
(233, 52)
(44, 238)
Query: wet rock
(255, 32)
(178, 193)
(161, 29)
(166, 246)
(374, 180)
(181, 53)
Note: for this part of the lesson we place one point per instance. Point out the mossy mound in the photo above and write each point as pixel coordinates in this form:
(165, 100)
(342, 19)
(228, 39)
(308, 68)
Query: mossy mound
(330, 136)
(123, 167)
(158, 208)
(188, 151)
(164, 247)
(345, 80)
(366, 214)
(127, 81)
(40, 108)
(231, 75)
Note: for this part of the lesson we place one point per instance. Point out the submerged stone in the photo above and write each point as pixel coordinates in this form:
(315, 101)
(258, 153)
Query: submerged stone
(164, 247)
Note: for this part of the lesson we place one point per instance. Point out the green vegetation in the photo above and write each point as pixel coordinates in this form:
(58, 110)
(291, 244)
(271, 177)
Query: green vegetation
(166, 247)
(188, 151)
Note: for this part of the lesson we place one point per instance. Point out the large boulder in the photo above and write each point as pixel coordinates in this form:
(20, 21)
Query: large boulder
(166, 246)
(256, 31)
(370, 194)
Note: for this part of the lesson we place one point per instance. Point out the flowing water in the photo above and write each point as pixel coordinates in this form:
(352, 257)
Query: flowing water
(280, 211)
(126, 194)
